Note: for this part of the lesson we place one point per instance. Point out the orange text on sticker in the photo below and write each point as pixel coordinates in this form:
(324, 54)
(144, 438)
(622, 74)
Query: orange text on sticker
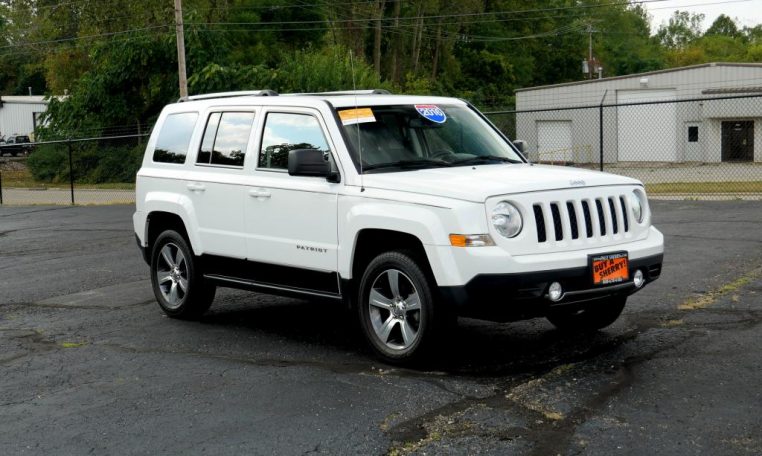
(355, 116)
(610, 270)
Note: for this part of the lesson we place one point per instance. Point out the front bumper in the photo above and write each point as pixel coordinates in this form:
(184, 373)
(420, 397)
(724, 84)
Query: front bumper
(517, 296)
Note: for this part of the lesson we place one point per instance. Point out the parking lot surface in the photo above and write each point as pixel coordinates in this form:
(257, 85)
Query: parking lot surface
(90, 365)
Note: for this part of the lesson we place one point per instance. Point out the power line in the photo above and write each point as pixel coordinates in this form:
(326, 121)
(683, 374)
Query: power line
(99, 35)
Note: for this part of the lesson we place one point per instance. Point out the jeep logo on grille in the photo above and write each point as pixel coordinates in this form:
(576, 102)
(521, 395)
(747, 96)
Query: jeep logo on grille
(577, 183)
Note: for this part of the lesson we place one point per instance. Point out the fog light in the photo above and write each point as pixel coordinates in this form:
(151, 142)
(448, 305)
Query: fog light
(555, 292)
(638, 279)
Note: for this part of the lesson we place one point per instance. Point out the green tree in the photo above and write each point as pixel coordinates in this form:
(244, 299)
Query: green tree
(723, 26)
(682, 29)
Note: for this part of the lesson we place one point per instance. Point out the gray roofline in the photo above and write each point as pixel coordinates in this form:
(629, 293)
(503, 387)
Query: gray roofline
(648, 73)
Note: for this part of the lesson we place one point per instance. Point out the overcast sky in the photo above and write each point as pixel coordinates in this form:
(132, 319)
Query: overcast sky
(744, 12)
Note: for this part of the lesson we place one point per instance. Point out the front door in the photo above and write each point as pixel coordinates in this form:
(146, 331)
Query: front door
(738, 140)
(291, 221)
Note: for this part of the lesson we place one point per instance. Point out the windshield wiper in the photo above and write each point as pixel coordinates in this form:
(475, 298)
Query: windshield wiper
(484, 159)
(407, 164)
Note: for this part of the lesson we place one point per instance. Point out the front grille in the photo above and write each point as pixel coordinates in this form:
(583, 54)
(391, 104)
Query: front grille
(558, 227)
(588, 219)
(575, 219)
(540, 220)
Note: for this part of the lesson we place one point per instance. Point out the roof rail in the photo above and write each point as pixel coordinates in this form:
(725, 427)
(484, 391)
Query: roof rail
(348, 92)
(243, 93)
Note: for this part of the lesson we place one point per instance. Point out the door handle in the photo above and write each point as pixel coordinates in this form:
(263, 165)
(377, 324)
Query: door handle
(260, 193)
(196, 187)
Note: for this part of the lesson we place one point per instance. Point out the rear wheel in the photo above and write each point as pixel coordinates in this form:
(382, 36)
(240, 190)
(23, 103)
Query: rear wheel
(590, 318)
(396, 307)
(179, 286)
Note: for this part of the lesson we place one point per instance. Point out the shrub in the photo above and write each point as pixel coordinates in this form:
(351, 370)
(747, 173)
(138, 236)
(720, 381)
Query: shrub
(93, 163)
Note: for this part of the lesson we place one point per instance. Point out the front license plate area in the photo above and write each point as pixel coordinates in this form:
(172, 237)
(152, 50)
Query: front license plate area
(609, 268)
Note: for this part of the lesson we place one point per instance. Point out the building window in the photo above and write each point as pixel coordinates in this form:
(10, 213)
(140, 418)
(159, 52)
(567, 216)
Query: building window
(693, 134)
(174, 138)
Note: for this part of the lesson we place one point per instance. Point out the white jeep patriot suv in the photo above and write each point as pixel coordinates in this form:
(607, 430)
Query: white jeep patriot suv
(412, 210)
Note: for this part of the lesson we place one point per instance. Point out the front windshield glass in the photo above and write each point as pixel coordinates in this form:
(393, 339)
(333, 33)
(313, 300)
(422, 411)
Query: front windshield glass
(406, 137)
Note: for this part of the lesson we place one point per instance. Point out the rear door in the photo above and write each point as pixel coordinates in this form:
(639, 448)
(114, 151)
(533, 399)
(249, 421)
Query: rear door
(215, 182)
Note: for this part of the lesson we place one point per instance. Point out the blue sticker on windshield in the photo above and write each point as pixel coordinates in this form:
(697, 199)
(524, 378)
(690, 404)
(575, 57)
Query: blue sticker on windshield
(432, 112)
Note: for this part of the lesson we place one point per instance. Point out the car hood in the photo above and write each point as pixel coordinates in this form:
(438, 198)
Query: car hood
(477, 183)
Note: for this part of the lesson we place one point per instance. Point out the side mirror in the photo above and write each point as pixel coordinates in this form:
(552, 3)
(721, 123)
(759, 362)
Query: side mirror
(310, 162)
(521, 145)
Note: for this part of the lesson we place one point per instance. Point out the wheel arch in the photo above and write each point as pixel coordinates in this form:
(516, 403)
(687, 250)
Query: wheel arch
(159, 221)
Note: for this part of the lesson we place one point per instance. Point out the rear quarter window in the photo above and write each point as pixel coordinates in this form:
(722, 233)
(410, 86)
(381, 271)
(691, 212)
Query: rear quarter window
(174, 138)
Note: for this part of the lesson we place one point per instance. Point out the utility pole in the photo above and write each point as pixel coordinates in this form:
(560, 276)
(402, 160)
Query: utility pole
(589, 50)
(182, 76)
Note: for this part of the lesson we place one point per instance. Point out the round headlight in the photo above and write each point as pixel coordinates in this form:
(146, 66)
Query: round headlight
(506, 219)
(637, 207)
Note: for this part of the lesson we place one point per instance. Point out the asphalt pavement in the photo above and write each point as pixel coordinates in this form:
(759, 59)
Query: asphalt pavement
(89, 364)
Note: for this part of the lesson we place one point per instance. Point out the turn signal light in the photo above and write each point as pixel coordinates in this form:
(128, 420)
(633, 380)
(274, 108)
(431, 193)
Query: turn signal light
(471, 240)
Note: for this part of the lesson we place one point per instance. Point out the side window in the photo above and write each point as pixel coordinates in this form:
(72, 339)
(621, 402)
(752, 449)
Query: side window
(226, 138)
(174, 138)
(286, 132)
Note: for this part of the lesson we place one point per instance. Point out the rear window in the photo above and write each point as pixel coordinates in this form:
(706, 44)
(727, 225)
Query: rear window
(174, 138)
(226, 139)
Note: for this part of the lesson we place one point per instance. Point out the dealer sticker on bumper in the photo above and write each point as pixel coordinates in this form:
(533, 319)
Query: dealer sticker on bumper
(609, 268)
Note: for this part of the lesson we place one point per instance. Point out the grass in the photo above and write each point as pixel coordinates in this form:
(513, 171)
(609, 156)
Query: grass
(710, 297)
(704, 187)
(23, 179)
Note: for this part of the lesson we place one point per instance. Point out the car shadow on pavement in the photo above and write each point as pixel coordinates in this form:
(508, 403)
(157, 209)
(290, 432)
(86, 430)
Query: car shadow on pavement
(327, 331)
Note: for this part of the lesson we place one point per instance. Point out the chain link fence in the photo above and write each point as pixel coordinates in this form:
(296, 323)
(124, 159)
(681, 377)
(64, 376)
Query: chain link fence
(698, 148)
(76, 171)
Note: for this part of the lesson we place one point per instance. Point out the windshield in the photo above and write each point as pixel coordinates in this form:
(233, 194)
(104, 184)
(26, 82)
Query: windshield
(405, 137)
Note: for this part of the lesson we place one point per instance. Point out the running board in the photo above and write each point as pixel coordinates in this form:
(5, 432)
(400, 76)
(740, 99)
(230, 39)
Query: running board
(234, 282)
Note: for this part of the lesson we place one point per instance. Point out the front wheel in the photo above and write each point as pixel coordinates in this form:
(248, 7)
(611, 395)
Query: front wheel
(590, 318)
(179, 286)
(396, 307)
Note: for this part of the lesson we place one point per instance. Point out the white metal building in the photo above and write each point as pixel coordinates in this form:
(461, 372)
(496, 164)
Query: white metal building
(721, 122)
(20, 114)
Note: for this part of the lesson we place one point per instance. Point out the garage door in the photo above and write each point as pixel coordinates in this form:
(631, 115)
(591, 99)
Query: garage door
(647, 132)
(554, 141)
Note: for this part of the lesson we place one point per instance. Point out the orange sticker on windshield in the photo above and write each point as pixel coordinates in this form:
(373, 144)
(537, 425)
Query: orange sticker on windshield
(356, 116)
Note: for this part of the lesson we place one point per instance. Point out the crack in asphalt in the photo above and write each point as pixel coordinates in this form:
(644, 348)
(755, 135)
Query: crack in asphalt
(260, 362)
(554, 436)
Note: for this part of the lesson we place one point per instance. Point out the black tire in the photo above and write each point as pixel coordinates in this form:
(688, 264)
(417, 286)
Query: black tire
(180, 266)
(589, 318)
(429, 322)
